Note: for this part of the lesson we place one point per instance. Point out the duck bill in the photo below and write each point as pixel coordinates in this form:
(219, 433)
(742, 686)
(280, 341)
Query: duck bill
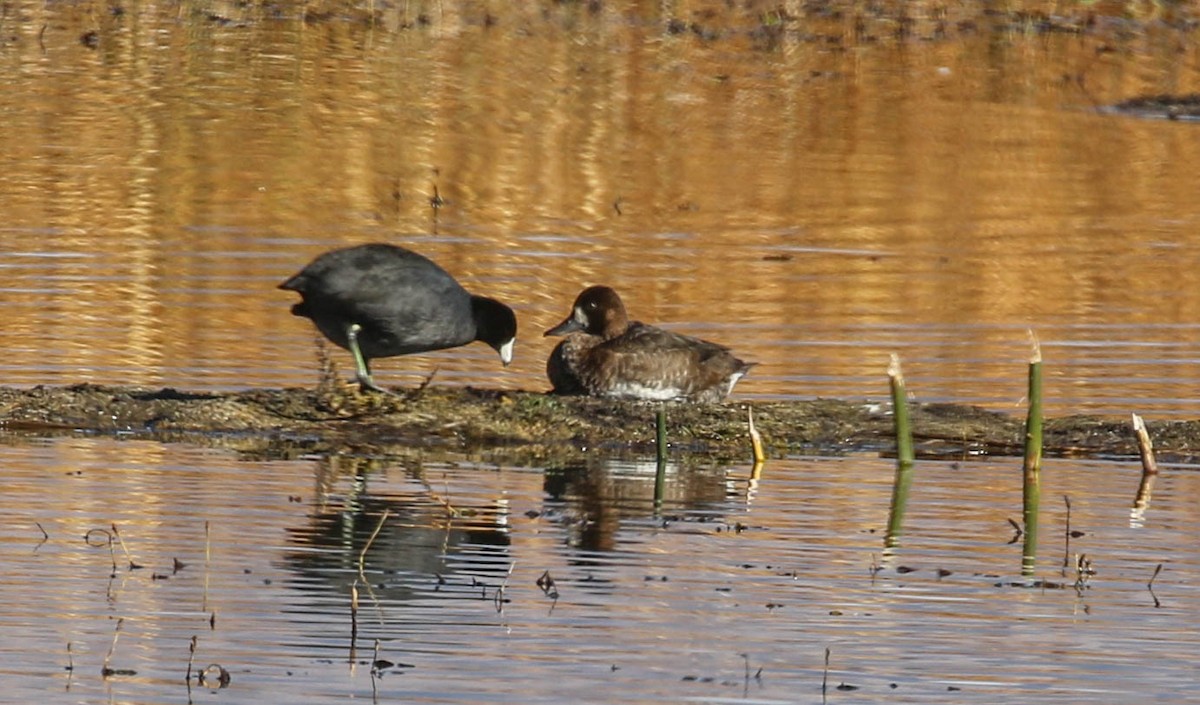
(568, 326)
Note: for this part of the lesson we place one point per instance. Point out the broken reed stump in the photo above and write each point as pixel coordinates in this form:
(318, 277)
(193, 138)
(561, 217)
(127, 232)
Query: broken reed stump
(1032, 471)
(660, 470)
(1141, 502)
(904, 442)
(1145, 446)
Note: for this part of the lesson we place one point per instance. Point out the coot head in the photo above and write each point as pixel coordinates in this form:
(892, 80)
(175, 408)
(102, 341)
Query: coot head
(496, 325)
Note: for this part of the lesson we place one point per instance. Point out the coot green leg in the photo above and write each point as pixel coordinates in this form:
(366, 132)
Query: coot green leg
(362, 370)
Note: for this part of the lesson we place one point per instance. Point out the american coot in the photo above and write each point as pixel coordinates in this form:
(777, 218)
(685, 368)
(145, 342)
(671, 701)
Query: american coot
(623, 358)
(382, 300)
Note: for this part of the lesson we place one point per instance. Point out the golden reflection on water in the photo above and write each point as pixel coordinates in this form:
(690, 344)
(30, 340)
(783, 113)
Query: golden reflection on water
(816, 205)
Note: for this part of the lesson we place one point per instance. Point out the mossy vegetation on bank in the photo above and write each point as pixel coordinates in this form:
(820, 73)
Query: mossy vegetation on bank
(532, 426)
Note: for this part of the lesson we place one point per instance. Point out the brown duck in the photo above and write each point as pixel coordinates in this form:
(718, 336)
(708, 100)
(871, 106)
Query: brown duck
(607, 355)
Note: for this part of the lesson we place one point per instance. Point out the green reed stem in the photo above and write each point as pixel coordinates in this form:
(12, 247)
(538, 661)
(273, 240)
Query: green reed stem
(905, 455)
(1032, 474)
(660, 482)
(660, 472)
(660, 428)
(904, 441)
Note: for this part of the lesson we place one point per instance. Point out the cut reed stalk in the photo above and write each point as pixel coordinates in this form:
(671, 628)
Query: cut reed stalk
(660, 433)
(904, 442)
(756, 442)
(905, 455)
(1145, 446)
(1032, 471)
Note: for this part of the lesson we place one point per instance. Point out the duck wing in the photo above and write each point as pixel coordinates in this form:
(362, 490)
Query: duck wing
(648, 362)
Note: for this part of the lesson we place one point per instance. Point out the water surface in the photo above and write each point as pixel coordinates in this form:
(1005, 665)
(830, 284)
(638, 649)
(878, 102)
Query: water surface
(653, 605)
(816, 204)
(817, 198)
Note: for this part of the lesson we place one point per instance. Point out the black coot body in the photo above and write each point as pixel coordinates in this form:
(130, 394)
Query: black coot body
(382, 300)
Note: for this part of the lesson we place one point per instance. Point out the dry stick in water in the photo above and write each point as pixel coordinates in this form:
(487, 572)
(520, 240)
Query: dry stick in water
(191, 659)
(132, 565)
(362, 555)
(1150, 585)
(105, 670)
(1032, 471)
(825, 675)
(87, 538)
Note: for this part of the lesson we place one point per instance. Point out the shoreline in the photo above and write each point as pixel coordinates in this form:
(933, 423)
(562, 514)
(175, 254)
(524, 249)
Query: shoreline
(537, 427)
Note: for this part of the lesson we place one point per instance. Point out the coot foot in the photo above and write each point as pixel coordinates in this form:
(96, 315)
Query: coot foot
(362, 371)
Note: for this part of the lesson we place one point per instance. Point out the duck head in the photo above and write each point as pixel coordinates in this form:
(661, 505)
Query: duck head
(596, 311)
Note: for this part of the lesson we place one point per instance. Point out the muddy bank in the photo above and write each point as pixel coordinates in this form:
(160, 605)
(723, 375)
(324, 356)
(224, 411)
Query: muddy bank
(532, 426)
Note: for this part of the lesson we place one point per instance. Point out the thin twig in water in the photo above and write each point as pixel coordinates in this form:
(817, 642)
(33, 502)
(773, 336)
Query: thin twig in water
(416, 393)
(1017, 529)
(45, 536)
(825, 675)
(191, 659)
(1067, 537)
(499, 598)
(87, 538)
(362, 555)
(132, 565)
(105, 670)
(207, 557)
(1150, 585)
(353, 619)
